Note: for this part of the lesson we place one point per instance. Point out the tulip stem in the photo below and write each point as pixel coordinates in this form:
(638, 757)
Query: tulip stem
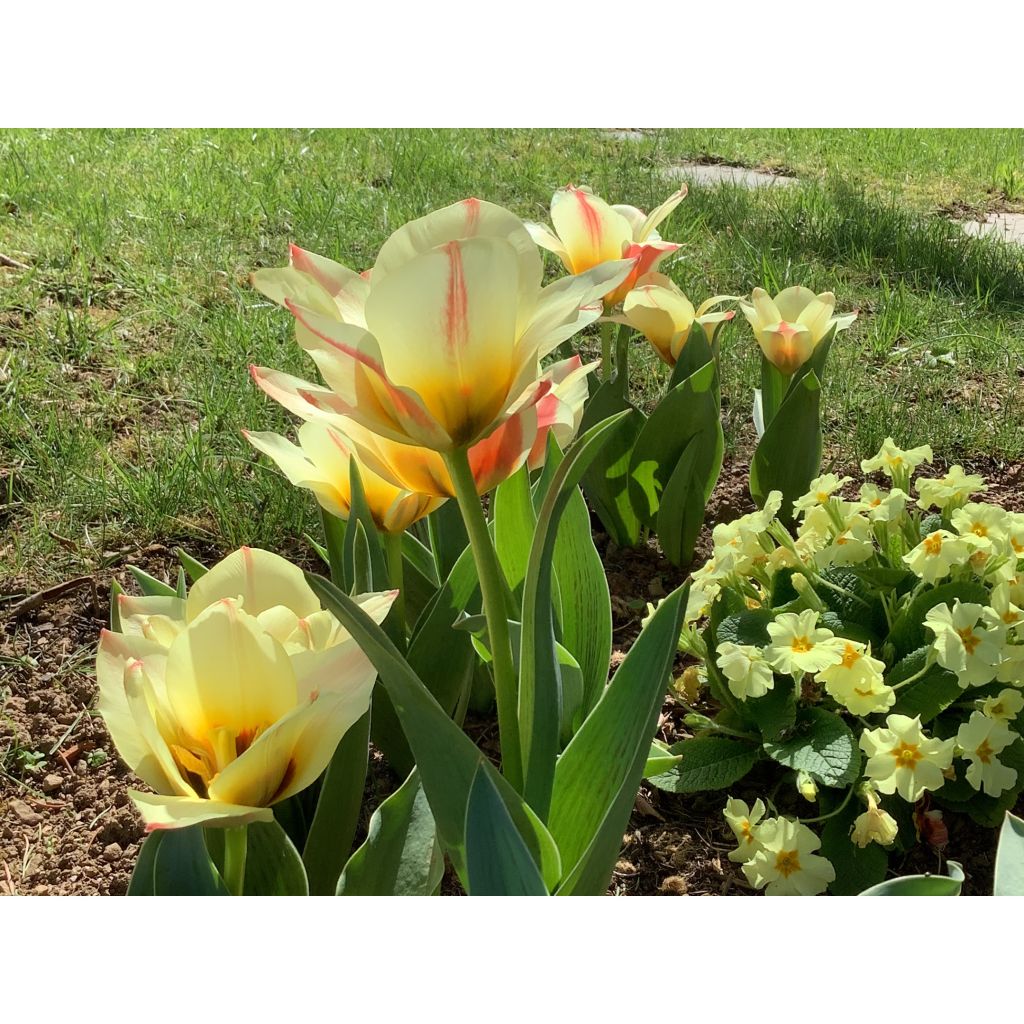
(606, 350)
(393, 551)
(492, 590)
(234, 859)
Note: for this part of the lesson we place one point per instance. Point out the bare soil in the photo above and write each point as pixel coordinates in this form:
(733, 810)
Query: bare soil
(67, 825)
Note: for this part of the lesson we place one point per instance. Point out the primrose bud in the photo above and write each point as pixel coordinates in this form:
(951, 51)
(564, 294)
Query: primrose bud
(695, 721)
(806, 786)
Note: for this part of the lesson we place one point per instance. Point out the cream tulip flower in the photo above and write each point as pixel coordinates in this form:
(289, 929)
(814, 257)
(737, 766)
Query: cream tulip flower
(789, 327)
(235, 698)
(589, 232)
(980, 740)
(439, 346)
(657, 309)
(901, 759)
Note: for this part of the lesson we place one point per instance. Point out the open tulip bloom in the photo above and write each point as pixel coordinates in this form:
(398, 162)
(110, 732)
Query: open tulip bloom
(235, 698)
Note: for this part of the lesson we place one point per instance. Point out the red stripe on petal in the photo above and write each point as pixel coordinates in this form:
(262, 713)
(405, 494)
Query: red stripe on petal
(456, 310)
(472, 208)
(590, 218)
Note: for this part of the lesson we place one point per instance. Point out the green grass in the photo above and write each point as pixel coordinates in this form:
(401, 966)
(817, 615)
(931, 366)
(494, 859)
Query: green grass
(124, 347)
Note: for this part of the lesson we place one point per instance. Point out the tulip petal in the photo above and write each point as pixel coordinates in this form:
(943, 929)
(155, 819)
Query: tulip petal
(471, 218)
(561, 410)
(635, 216)
(590, 230)
(504, 450)
(260, 578)
(346, 287)
(815, 316)
(284, 284)
(764, 311)
(446, 321)
(658, 214)
(350, 360)
(225, 672)
(169, 812)
(116, 651)
(302, 471)
(156, 618)
(791, 302)
(547, 239)
(305, 399)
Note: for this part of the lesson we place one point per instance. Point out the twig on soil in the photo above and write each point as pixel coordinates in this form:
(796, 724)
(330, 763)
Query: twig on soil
(10, 261)
(11, 891)
(41, 597)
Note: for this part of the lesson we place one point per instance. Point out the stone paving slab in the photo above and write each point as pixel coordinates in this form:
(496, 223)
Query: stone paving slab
(726, 174)
(1007, 226)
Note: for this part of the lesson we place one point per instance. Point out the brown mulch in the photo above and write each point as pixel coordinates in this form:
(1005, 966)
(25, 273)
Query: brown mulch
(67, 825)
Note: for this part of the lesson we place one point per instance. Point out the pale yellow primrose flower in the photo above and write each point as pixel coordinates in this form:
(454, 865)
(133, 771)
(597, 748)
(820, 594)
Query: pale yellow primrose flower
(1002, 603)
(789, 327)
(739, 543)
(857, 682)
(950, 491)
(982, 526)
(874, 826)
(1015, 533)
(820, 492)
(235, 698)
(743, 821)
(440, 346)
(589, 232)
(851, 546)
(658, 310)
(799, 645)
(786, 863)
(902, 760)
(937, 555)
(883, 506)
(1011, 665)
(981, 739)
(1004, 708)
(896, 463)
(745, 670)
(968, 641)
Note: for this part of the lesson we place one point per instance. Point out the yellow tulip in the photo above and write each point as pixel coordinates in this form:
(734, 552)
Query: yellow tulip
(789, 327)
(320, 462)
(439, 346)
(589, 232)
(664, 315)
(235, 698)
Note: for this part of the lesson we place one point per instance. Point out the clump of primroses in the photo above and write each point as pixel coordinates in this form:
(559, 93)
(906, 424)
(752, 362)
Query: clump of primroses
(874, 653)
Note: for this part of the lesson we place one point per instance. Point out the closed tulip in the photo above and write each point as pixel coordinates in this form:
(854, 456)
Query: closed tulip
(789, 327)
(665, 316)
(439, 346)
(589, 232)
(235, 698)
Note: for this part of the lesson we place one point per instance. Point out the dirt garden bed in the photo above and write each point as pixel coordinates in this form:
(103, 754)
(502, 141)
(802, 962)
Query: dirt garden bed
(67, 825)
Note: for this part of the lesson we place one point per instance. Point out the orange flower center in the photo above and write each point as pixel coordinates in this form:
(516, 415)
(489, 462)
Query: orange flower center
(970, 641)
(984, 752)
(801, 645)
(907, 755)
(933, 544)
(786, 862)
(850, 656)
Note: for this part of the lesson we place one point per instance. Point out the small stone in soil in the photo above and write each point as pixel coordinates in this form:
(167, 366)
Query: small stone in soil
(24, 813)
(52, 782)
(112, 852)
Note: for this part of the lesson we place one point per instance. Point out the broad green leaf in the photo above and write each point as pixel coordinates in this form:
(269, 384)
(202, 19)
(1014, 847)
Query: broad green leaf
(928, 696)
(598, 775)
(401, 855)
(150, 585)
(788, 457)
(182, 865)
(881, 578)
(497, 860)
(336, 818)
(820, 744)
(707, 762)
(908, 632)
(606, 483)
(448, 537)
(514, 525)
(194, 569)
(1009, 877)
(447, 758)
(853, 601)
(774, 385)
(747, 628)
(857, 868)
(540, 685)
(922, 885)
(142, 882)
(774, 713)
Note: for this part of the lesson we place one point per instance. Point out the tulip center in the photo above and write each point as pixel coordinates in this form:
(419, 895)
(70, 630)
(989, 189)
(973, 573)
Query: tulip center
(787, 862)
(202, 760)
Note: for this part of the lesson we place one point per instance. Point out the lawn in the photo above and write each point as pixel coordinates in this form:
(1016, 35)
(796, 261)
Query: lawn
(124, 345)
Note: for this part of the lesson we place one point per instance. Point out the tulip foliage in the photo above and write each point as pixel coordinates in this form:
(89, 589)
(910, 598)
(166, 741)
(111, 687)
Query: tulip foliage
(874, 660)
